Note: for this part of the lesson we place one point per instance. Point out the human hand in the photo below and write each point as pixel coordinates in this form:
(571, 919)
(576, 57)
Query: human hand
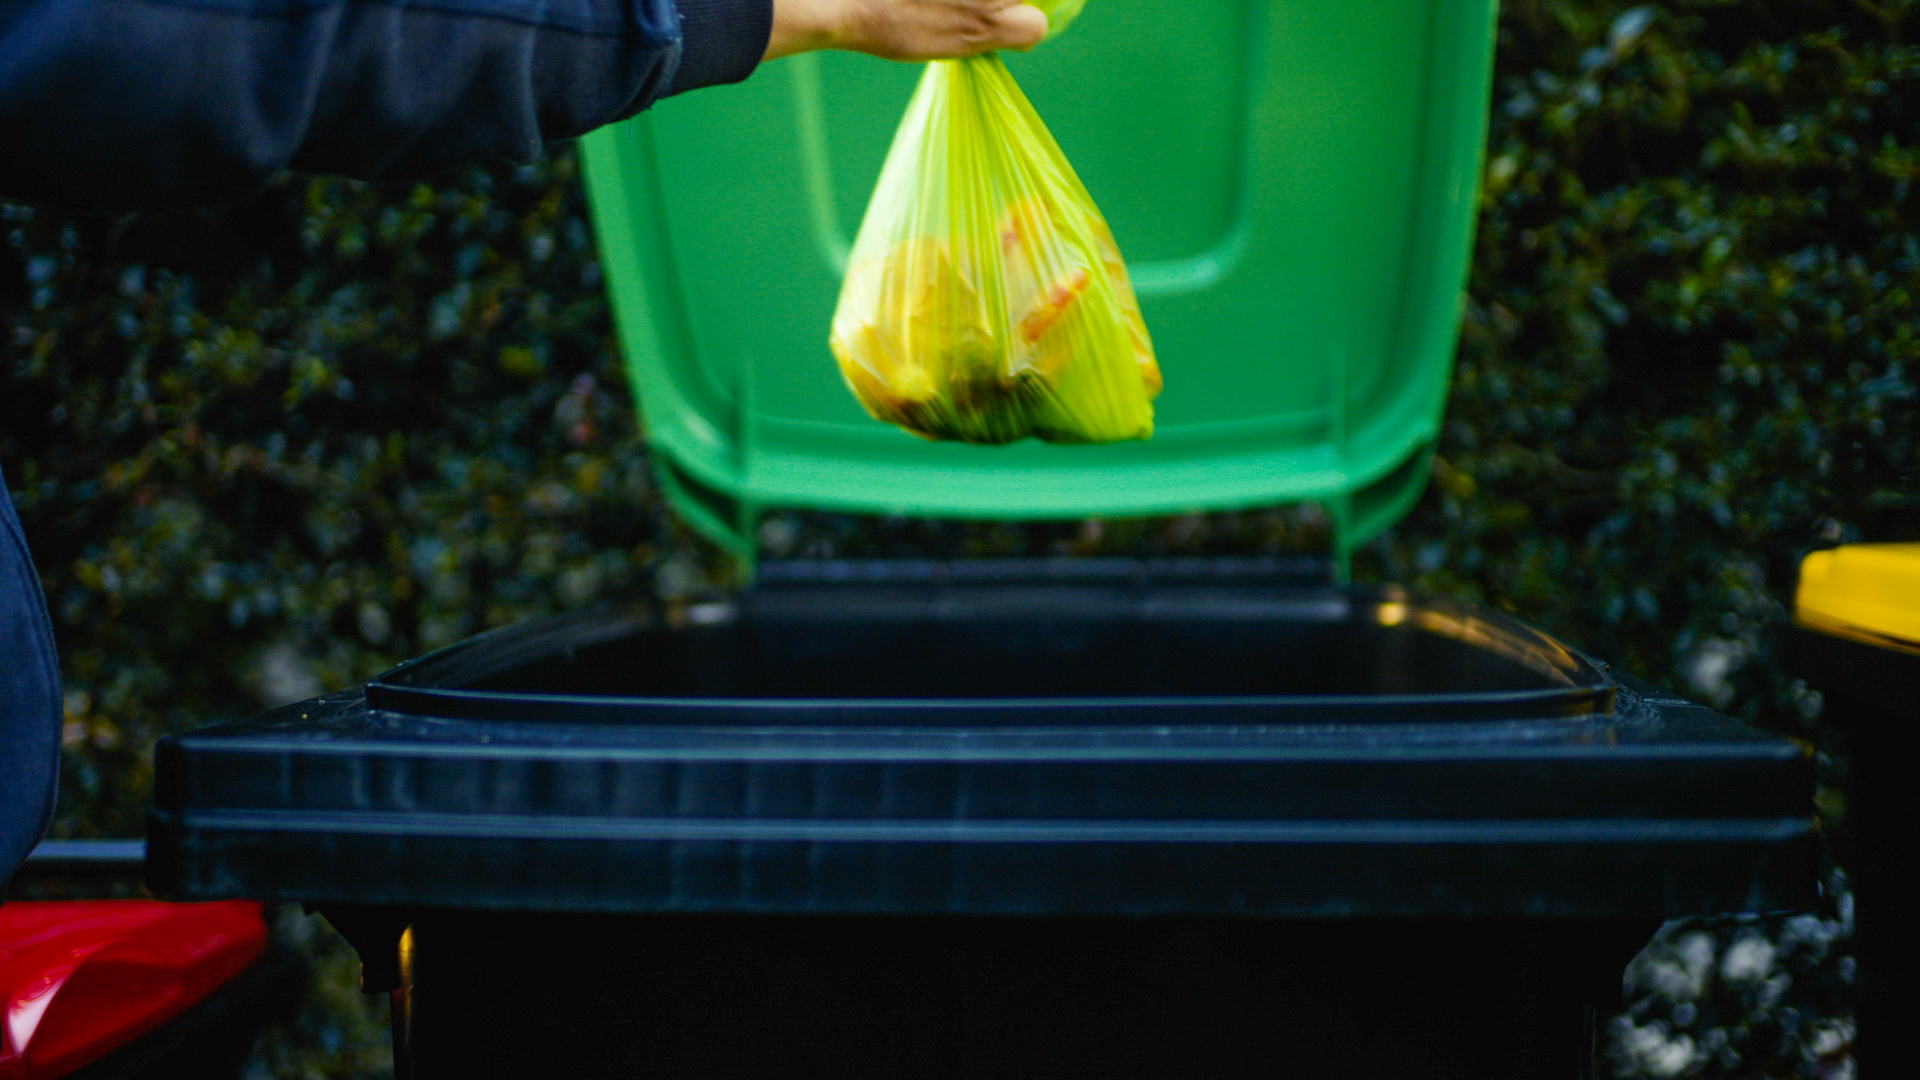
(904, 29)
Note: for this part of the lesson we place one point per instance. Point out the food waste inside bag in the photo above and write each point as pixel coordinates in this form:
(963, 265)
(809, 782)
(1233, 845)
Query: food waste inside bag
(985, 299)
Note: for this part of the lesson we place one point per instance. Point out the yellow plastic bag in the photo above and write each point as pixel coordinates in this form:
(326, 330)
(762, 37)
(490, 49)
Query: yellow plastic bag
(985, 299)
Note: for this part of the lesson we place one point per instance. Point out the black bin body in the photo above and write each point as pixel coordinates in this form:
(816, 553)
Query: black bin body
(997, 819)
(1871, 691)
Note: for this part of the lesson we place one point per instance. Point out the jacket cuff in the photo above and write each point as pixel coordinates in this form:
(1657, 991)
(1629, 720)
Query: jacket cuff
(721, 41)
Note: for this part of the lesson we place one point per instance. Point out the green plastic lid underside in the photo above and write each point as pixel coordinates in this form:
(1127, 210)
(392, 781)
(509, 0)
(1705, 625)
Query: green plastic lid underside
(1293, 187)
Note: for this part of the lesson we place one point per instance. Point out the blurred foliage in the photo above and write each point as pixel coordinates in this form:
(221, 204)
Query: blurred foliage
(270, 449)
(1688, 354)
(338, 1032)
(266, 451)
(1742, 997)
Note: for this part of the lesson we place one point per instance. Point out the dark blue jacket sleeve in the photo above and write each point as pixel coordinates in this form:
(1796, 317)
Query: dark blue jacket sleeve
(29, 699)
(138, 103)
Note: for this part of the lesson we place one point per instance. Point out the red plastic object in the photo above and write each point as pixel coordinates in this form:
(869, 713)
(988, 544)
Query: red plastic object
(79, 979)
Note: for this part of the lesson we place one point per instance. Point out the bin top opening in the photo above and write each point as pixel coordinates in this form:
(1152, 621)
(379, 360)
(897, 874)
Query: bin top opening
(1012, 653)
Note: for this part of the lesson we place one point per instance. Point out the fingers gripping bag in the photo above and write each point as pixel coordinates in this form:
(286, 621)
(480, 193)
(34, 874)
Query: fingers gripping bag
(985, 299)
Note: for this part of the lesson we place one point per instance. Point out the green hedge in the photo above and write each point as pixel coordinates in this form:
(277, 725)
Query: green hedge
(1689, 351)
(267, 450)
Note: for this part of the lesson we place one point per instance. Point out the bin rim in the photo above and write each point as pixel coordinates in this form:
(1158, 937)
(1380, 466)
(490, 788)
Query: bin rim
(437, 686)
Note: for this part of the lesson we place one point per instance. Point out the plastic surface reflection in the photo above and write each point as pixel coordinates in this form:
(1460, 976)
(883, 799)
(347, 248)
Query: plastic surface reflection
(1535, 652)
(79, 979)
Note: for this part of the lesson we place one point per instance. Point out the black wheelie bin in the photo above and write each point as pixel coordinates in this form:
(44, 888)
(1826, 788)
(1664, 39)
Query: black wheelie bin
(1030, 818)
(1856, 639)
(979, 819)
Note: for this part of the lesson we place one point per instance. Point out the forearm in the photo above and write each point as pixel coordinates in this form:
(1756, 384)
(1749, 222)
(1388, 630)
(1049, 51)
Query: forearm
(127, 103)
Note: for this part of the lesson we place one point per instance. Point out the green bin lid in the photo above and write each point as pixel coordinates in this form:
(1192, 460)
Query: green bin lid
(1293, 186)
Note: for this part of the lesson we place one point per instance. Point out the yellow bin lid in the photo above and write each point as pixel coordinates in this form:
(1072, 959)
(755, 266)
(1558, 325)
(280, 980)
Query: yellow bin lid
(1870, 592)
